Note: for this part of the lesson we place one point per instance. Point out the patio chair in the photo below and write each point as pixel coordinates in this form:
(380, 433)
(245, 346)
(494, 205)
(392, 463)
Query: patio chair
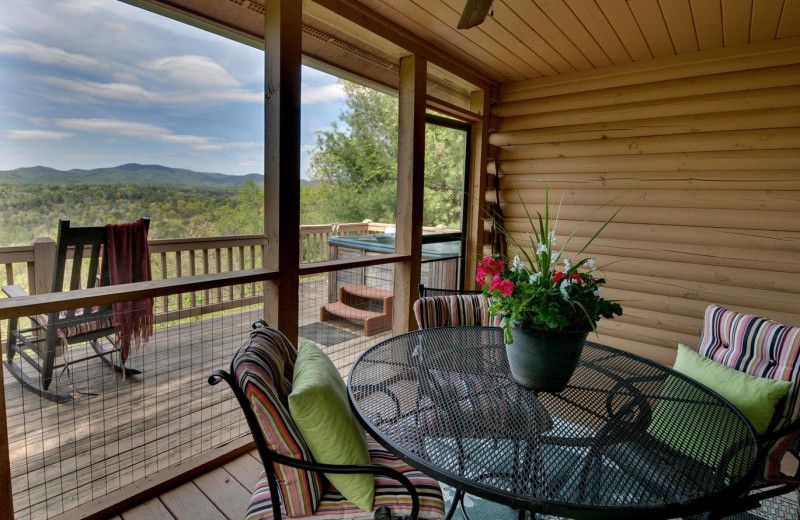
(52, 332)
(437, 291)
(292, 485)
(762, 348)
(453, 310)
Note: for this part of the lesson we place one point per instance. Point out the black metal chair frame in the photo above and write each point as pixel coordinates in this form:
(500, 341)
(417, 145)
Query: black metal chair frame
(81, 239)
(268, 456)
(436, 291)
(762, 490)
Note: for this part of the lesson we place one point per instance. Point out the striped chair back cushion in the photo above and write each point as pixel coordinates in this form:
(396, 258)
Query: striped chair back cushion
(264, 367)
(762, 348)
(454, 310)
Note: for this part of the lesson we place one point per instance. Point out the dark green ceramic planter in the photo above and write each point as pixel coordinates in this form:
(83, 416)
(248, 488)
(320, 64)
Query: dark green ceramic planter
(544, 360)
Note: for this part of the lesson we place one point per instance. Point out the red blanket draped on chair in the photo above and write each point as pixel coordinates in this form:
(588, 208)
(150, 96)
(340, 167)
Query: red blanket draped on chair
(128, 257)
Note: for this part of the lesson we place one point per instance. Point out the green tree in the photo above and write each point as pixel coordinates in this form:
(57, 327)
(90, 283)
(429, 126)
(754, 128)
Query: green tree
(356, 165)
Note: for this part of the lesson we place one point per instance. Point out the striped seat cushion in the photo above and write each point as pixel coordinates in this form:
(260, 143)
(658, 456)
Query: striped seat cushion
(388, 492)
(263, 368)
(454, 310)
(762, 348)
(81, 326)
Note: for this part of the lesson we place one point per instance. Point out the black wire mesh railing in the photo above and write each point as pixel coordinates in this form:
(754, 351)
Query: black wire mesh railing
(112, 430)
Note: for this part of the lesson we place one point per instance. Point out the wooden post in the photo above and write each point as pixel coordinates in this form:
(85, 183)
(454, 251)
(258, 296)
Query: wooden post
(282, 54)
(44, 258)
(476, 211)
(6, 497)
(410, 177)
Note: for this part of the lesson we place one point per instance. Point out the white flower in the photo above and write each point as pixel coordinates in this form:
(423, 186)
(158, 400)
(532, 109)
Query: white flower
(534, 277)
(552, 236)
(567, 264)
(555, 258)
(541, 249)
(591, 264)
(563, 288)
(517, 264)
(596, 292)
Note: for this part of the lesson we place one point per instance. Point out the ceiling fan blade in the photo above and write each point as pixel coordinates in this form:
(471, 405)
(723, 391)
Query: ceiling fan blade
(474, 13)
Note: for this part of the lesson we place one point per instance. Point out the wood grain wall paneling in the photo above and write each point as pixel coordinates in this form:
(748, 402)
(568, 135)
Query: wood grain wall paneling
(624, 23)
(707, 165)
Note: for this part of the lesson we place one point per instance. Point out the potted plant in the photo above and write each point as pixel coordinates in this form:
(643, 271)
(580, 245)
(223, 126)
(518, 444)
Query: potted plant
(548, 301)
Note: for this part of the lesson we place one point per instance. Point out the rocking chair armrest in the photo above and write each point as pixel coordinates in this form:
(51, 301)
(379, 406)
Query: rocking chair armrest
(14, 291)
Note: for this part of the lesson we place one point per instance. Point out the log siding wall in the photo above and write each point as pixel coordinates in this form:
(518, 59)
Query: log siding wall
(706, 160)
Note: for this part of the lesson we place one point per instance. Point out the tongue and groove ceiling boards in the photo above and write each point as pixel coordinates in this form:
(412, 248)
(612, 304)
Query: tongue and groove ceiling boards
(525, 39)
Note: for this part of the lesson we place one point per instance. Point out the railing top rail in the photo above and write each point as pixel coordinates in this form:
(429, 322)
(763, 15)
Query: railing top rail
(161, 245)
(54, 302)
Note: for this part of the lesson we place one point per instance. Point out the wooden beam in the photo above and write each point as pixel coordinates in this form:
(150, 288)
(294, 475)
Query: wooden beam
(6, 497)
(476, 210)
(450, 109)
(282, 65)
(410, 186)
(368, 18)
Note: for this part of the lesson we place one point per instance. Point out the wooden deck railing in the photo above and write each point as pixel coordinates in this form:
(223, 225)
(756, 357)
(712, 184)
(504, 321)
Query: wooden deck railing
(31, 266)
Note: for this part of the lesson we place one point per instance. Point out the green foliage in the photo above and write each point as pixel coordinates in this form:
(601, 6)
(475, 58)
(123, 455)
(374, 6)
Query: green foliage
(536, 291)
(356, 166)
(29, 211)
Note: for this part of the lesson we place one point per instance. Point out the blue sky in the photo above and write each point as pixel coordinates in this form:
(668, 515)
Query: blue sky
(97, 83)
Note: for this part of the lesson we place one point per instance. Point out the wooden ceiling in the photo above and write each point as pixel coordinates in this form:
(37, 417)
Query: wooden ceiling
(526, 39)
(521, 40)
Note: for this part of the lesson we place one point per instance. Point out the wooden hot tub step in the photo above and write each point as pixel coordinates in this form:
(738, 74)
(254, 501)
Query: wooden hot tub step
(366, 292)
(374, 322)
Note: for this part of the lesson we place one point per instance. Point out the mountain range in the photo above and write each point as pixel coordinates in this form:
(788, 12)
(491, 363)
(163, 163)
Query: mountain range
(132, 173)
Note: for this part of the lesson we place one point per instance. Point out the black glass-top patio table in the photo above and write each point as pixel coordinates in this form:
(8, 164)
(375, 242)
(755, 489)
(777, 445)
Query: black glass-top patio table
(627, 438)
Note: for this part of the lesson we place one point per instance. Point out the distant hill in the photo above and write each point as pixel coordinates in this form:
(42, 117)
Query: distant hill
(145, 174)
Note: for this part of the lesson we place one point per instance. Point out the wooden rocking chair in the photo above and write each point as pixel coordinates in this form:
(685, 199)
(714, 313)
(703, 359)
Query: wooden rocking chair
(40, 345)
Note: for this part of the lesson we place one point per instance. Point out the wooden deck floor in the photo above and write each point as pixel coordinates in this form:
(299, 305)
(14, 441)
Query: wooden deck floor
(221, 494)
(64, 455)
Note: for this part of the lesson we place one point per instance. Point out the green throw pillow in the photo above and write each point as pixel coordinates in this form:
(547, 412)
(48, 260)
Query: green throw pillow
(704, 433)
(755, 397)
(320, 407)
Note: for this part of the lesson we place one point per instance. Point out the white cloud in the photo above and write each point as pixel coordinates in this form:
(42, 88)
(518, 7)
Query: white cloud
(125, 77)
(37, 52)
(116, 127)
(38, 135)
(4, 28)
(199, 72)
(322, 93)
(138, 94)
(151, 132)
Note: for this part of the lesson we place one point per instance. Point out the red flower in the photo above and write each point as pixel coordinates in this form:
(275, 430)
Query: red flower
(487, 269)
(558, 276)
(506, 287)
